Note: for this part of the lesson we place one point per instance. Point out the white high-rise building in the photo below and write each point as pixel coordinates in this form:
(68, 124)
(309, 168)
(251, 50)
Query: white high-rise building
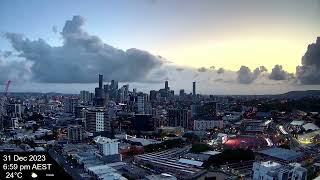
(107, 146)
(274, 171)
(100, 121)
(97, 120)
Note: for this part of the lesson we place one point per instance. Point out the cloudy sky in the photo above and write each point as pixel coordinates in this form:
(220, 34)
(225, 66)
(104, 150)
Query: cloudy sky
(227, 47)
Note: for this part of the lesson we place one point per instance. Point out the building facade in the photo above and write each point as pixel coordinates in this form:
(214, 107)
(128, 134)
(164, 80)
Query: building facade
(97, 120)
(75, 133)
(270, 170)
(178, 117)
(200, 125)
(107, 146)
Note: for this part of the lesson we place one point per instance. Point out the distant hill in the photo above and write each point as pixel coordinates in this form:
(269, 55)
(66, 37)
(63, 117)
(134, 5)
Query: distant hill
(300, 94)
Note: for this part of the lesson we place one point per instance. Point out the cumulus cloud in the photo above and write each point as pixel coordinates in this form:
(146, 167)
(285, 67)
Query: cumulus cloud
(220, 71)
(15, 70)
(260, 70)
(81, 57)
(246, 76)
(202, 69)
(278, 73)
(309, 71)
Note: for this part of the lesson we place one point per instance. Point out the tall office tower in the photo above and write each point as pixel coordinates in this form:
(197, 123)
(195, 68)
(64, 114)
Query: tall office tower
(100, 95)
(178, 117)
(97, 120)
(91, 97)
(75, 133)
(79, 111)
(113, 90)
(126, 91)
(100, 81)
(106, 88)
(182, 92)
(154, 95)
(3, 110)
(114, 85)
(166, 85)
(14, 110)
(84, 96)
(121, 94)
(194, 88)
(70, 104)
(140, 103)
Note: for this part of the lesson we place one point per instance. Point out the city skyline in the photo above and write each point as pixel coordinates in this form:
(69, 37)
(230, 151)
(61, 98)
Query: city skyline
(226, 52)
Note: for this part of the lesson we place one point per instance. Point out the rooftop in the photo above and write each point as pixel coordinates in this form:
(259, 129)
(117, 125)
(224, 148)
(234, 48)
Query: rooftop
(310, 126)
(103, 140)
(191, 162)
(283, 154)
(270, 164)
(143, 141)
(211, 152)
(106, 172)
(297, 123)
(163, 176)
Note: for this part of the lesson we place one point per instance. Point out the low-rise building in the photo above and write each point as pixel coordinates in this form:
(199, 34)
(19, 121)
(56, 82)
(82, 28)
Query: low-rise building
(200, 125)
(107, 146)
(270, 170)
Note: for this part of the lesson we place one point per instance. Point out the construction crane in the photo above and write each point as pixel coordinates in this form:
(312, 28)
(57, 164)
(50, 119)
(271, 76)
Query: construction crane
(7, 88)
(3, 99)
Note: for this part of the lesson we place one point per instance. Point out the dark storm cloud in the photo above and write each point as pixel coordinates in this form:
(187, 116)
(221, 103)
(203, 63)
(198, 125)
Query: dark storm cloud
(246, 76)
(6, 54)
(14, 70)
(220, 71)
(258, 71)
(278, 73)
(309, 72)
(202, 69)
(81, 57)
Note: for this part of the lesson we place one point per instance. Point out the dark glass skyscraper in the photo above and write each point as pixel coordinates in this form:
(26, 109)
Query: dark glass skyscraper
(100, 98)
(166, 85)
(194, 88)
(100, 81)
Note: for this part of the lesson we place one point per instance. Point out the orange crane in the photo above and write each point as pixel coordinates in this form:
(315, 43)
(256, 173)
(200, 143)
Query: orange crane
(3, 99)
(7, 87)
